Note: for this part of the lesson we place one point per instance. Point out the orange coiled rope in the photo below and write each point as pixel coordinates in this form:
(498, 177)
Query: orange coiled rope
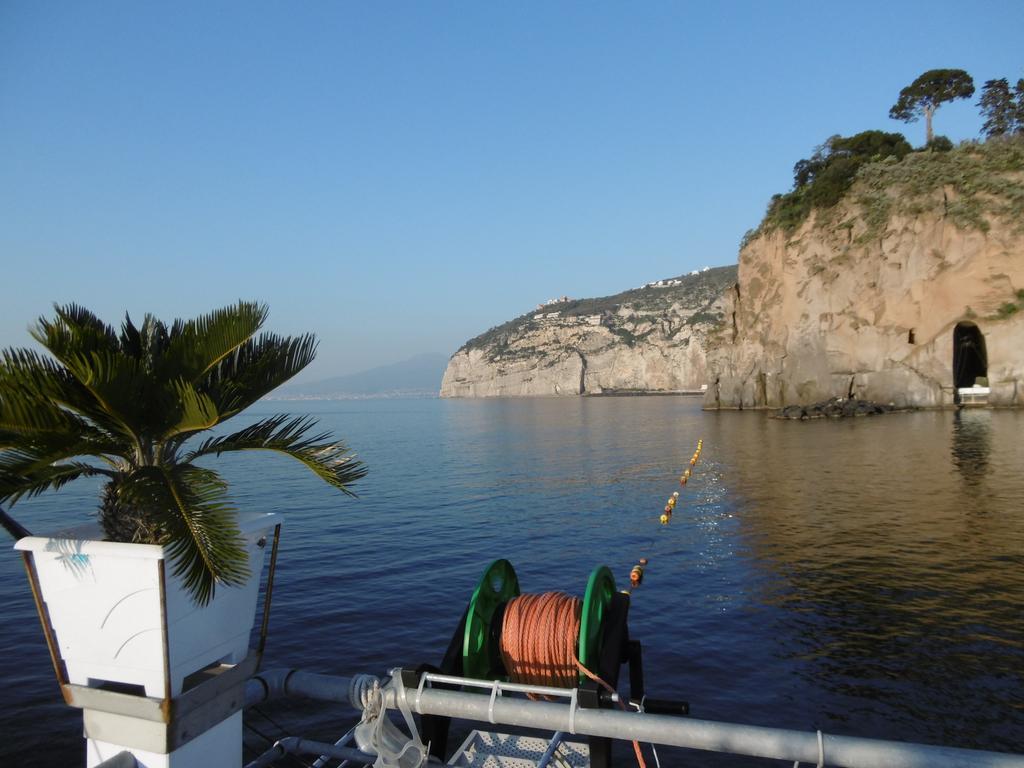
(538, 639)
(538, 644)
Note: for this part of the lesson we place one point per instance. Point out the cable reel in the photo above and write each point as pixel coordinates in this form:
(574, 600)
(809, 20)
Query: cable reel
(602, 646)
(499, 584)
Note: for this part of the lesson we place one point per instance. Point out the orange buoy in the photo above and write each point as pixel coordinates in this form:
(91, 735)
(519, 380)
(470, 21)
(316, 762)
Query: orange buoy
(636, 576)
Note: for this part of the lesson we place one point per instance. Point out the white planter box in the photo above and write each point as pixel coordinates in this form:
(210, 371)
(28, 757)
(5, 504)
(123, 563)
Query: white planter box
(104, 603)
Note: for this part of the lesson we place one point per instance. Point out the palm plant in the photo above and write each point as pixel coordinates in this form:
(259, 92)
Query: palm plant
(122, 406)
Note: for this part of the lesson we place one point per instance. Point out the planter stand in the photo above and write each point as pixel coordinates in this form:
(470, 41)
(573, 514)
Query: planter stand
(153, 673)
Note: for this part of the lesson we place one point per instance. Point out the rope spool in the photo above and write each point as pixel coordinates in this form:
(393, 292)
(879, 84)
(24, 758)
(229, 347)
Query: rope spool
(538, 639)
(535, 639)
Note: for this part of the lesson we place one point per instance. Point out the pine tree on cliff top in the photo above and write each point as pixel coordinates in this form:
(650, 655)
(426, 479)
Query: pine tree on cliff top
(1002, 108)
(930, 90)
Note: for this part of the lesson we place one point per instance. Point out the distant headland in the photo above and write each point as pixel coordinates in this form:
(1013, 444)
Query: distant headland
(886, 274)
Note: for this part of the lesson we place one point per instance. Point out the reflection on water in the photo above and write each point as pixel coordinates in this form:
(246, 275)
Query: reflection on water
(864, 577)
(894, 579)
(972, 443)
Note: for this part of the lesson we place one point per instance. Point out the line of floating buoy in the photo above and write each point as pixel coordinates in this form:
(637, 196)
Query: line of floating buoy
(636, 575)
(670, 505)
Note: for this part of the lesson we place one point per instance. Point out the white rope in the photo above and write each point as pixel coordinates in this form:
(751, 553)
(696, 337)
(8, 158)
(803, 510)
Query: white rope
(654, 749)
(376, 734)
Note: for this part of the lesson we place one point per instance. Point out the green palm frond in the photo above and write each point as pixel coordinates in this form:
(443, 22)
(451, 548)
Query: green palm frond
(255, 369)
(19, 453)
(32, 390)
(328, 459)
(197, 346)
(75, 331)
(203, 539)
(194, 412)
(121, 396)
(147, 343)
(48, 477)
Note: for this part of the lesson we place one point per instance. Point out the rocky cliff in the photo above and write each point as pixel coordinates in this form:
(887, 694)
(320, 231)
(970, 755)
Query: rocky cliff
(651, 339)
(912, 283)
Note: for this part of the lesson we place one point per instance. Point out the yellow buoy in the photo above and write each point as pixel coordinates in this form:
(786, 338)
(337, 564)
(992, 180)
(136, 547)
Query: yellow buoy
(665, 519)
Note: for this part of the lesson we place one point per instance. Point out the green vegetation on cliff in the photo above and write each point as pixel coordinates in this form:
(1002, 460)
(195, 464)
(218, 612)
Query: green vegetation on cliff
(885, 176)
(977, 180)
(822, 180)
(698, 291)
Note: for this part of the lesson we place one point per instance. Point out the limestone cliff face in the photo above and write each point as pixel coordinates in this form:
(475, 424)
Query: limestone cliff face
(867, 299)
(646, 340)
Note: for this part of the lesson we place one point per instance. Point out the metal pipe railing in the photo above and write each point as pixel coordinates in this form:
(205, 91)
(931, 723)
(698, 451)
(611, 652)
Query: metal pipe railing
(753, 741)
(293, 745)
(749, 740)
(275, 683)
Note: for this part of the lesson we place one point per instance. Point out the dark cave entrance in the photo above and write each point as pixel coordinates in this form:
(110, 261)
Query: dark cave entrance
(970, 361)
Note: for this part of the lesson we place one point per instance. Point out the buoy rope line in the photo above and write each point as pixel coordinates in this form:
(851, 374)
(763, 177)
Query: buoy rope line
(538, 645)
(540, 633)
(636, 575)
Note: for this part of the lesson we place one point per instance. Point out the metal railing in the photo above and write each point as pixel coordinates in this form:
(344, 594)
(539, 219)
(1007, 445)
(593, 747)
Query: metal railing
(814, 748)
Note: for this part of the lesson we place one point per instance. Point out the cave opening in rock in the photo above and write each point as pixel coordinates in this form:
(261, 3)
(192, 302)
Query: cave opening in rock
(970, 361)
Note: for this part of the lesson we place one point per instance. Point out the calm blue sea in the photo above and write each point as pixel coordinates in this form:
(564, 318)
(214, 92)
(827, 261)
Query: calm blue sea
(864, 577)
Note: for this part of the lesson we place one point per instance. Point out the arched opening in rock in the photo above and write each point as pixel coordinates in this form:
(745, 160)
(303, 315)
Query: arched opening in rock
(970, 361)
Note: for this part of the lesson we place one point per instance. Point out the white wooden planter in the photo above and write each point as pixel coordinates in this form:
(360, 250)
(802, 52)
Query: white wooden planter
(119, 615)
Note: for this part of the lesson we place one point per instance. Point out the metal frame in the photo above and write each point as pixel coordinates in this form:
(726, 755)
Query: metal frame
(269, 594)
(815, 748)
(59, 668)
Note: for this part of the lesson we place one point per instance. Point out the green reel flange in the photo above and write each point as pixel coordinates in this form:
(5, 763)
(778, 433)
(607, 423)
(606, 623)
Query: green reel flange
(498, 585)
(600, 590)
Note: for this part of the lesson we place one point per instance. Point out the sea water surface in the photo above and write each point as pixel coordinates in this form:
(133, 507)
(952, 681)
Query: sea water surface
(862, 577)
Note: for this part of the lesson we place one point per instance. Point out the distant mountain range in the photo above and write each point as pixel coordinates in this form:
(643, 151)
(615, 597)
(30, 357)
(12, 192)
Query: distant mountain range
(418, 376)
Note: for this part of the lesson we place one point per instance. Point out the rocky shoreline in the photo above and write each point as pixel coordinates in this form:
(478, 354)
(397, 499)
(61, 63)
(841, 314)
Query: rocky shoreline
(835, 408)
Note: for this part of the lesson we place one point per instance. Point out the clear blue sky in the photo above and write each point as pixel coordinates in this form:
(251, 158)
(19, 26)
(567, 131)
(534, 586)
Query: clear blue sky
(399, 176)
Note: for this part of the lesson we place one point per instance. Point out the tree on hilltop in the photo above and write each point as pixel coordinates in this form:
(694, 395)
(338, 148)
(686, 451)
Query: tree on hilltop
(1002, 108)
(930, 90)
(830, 170)
(822, 180)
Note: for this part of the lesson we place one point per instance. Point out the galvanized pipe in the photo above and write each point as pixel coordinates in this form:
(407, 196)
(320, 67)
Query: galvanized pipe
(321, 761)
(750, 740)
(293, 745)
(755, 741)
(275, 683)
